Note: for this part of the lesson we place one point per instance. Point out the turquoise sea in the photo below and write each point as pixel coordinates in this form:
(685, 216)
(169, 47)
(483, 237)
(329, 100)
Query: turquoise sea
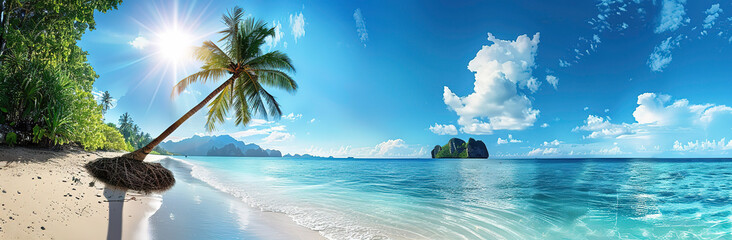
(452, 198)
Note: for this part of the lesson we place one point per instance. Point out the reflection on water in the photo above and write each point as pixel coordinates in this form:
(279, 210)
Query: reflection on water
(486, 199)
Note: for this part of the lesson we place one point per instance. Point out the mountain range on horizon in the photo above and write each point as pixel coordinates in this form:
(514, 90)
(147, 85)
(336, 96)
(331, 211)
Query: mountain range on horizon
(221, 145)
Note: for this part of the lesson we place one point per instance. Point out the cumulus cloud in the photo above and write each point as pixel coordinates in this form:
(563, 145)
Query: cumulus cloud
(312, 120)
(552, 143)
(712, 15)
(673, 15)
(706, 145)
(297, 24)
(554, 81)
(510, 139)
(653, 109)
(655, 114)
(140, 42)
(363, 34)
(500, 70)
(661, 56)
(272, 41)
(602, 128)
(447, 129)
(278, 137)
(544, 125)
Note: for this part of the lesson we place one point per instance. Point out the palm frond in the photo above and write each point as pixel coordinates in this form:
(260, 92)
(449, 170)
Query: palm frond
(275, 60)
(278, 79)
(231, 19)
(218, 108)
(203, 76)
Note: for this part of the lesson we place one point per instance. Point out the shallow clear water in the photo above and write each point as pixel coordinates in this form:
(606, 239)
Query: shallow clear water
(484, 199)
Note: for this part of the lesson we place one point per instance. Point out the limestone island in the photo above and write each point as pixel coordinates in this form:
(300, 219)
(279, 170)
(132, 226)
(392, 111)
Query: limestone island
(457, 148)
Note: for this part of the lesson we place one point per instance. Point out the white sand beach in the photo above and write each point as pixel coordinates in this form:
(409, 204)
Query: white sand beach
(48, 194)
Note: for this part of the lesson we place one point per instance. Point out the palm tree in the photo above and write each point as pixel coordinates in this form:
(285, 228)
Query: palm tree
(106, 102)
(249, 70)
(125, 125)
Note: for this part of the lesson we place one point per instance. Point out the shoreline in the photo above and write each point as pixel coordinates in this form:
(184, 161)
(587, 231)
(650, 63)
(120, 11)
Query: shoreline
(46, 194)
(193, 200)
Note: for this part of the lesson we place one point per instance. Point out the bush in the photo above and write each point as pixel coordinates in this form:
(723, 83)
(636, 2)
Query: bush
(11, 138)
(113, 139)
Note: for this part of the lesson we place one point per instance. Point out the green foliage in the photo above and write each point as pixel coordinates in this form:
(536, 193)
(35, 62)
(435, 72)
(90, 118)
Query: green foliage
(460, 153)
(133, 134)
(45, 79)
(113, 139)
(249, 70)
(11, 138)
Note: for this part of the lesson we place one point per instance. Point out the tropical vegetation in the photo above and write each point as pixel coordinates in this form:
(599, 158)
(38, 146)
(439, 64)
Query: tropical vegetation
(45, 78)
(249, 70)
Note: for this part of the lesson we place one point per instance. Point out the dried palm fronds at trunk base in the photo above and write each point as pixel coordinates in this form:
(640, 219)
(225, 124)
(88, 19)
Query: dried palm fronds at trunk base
(131, 174)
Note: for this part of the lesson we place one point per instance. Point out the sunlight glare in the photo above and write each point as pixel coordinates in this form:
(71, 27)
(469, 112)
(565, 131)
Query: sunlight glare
(175, 45)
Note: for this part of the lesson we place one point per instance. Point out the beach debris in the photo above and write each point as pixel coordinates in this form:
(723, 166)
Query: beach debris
(127, 173)
(39, 177)
(43, 228)
(91, 184)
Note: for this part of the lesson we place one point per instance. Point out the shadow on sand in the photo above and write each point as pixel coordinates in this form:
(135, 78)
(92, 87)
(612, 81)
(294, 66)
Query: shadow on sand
(116, 199)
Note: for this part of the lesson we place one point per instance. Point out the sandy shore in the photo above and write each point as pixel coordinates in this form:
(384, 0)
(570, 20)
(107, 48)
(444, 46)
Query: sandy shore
(48, 195)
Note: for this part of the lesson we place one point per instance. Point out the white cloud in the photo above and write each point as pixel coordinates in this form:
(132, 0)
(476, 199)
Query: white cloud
(447, 129)
(292, 116)
(312, 120)
(257, 131)
(661, 56)
(272, 41)
(563, 63)
(500, 69)
(140, 42)
(192, 92)
(706, 145)
(654, 114)
(297, 24)
(278, 137)
(652, 109)
(363, 34)
(510, 139)
(543, 152)
(544, 125)
(602, 128)
(258, 122)
(607, 110)
(552, 143)
(393, 148)
(586, 108)
(673, 15)
(712, 15)
(554, 81)
(608, 151)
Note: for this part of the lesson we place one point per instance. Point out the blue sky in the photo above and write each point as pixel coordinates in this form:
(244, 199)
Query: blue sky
(531, 79)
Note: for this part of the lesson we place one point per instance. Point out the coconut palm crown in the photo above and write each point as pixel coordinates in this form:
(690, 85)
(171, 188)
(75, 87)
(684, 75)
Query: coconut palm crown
(249, 71)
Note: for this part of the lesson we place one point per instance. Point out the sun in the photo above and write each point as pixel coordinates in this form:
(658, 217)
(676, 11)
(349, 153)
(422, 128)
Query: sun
(174, 45)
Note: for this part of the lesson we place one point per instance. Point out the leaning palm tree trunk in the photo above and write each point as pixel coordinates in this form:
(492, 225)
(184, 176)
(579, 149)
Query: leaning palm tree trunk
(141, 153)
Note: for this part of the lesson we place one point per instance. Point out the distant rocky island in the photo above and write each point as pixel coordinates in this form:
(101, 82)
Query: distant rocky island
(457, 148)
(222, 145)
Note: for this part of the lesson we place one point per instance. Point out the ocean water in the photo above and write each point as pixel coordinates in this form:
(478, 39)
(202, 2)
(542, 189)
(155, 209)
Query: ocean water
(465, 198)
